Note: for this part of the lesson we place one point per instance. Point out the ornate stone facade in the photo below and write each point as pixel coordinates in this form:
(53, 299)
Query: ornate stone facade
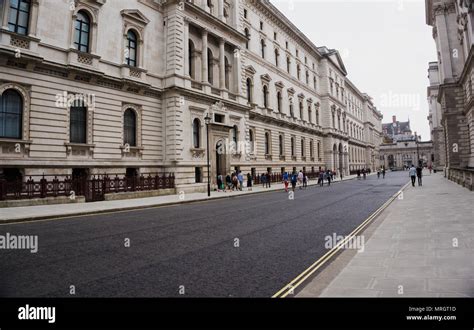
(453, 23)
(275, 101)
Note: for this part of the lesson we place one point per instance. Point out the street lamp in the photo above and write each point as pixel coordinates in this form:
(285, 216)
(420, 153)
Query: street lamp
(207, 119)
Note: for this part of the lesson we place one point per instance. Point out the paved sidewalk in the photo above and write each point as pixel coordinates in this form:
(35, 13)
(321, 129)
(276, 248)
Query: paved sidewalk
(29, 213)
(423, 247)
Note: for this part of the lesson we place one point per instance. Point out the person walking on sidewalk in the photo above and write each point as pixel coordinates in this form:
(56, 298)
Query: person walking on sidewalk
(249, 182)
(329, 177)
(219, 183)
(412, 174)
(300, 179)
(321, 178)
(263, 179)
(364, 173)
(378, 173)
(419, 174)
(268, 182)
(305, 181)
(240, 177)
(294, 179)
(285, 180)
(383, 173)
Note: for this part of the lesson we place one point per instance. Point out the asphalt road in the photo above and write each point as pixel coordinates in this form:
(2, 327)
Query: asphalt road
(248, 246)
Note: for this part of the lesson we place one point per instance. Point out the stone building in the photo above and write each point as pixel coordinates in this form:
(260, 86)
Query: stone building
(397, 130)
(453, 24)
(124, 87)
(434, 118)
(401, 154)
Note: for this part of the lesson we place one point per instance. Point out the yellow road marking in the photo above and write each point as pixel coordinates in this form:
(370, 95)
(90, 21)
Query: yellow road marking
(290, 287)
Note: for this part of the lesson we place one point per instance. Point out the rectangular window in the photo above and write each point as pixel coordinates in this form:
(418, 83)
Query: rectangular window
(245, 13)
(19, 16)
(198, 174)
(218, 118)
(78, 125)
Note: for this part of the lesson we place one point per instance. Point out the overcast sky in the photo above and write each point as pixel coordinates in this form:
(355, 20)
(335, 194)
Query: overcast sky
(385, 44)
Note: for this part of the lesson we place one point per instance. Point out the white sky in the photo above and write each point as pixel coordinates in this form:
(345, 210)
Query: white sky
(385, 44)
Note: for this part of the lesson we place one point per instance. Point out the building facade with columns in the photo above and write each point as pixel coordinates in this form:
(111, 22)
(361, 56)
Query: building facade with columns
(92, 87)
(453, 27)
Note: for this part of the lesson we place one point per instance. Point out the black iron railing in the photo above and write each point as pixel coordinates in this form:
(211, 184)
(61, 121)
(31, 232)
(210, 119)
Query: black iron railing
(93, 188)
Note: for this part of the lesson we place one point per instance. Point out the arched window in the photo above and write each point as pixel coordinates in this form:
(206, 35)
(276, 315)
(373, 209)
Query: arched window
(247, 34)
(249, 90)
(280, 145)
(235, 135)
(251, 141)
(262, 45)
(210, 66)
(132, 48)
(210, 4)
(130, 128)
(279, 101)
(196, 133)
(292, 147)
(11, 114)
(267, 143)
(265, 96)
(191, 51)
(78, 124)
(19, 16)
(82, 32)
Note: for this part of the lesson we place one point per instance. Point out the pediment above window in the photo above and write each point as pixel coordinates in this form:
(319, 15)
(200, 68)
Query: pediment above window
(135, 15)
(266, 77)
(250, 70)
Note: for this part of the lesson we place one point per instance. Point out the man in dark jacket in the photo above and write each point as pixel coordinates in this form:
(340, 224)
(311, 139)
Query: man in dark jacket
(419, 174)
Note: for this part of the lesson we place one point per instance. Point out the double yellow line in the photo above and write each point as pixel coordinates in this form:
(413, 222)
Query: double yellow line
(289, 289)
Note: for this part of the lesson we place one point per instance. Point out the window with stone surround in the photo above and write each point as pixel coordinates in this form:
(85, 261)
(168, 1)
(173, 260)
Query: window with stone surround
(19, 16)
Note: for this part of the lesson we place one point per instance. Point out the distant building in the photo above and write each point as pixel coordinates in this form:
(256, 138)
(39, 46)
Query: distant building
(402, 154)
(397, 131)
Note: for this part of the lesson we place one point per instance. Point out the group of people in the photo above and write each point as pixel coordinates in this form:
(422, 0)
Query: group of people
(300, 179)
(416, 172)
(232, 182)
(381, 171)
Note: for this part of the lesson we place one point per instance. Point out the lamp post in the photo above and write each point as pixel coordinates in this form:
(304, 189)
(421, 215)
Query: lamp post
(417, 151)
(208, 121)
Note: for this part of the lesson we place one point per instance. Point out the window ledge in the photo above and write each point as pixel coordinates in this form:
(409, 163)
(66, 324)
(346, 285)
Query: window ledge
(10, 140)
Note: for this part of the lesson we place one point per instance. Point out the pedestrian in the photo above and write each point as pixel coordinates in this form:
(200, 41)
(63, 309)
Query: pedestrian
(383, 173)
(305, 181)
(321, 178)
(263, 178)
(300, 179)
(329, 176)
(285, 180)
(358, 174)
(219, 182)
(294, 179)
(269, 180)
(412, 174)
(228, 181)
(240, 177)
(430, 168)
(364, 174)
(419, 174)
(235, 182)
(378, 173)
(249, 182)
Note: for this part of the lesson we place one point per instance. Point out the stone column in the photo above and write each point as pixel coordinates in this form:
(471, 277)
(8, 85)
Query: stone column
(220, 8)
(222, 64)
(186, 47)
(204, 57)
(237, 71)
